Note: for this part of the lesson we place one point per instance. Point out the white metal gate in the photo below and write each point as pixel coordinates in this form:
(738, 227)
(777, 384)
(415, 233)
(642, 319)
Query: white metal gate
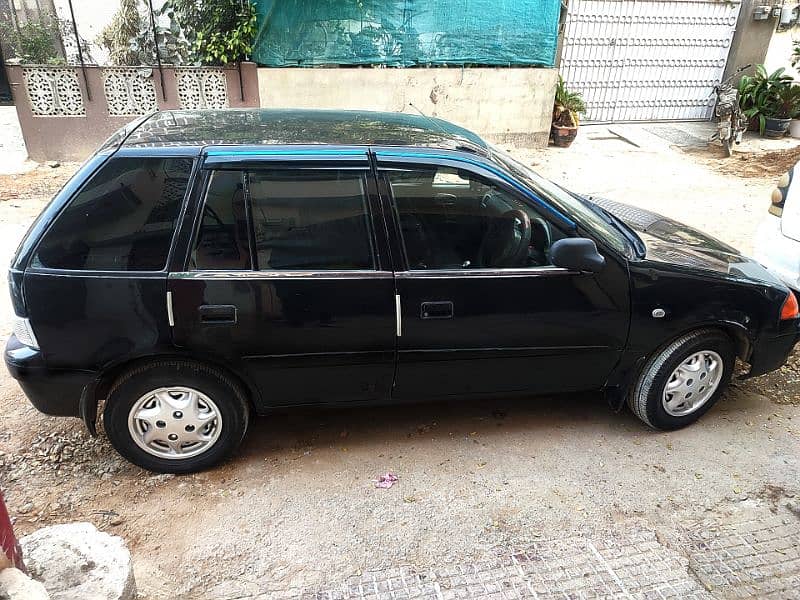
(647, 60)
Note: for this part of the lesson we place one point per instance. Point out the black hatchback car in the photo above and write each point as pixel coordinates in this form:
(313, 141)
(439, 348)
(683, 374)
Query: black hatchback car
(206, 265)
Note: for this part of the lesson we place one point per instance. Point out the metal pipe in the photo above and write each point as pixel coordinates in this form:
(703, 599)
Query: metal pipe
(14, 17)
(80, 51)
(241, 83)
(239, 62)
(158, 55)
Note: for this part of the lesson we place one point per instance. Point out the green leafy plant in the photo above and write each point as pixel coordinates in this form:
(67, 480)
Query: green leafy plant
(567, 106)
(761, 96)
(129, 37)
(34, 42)
(218, 31)
(785, 103)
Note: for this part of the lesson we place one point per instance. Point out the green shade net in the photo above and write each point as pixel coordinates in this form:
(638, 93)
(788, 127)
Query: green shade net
(406, 33)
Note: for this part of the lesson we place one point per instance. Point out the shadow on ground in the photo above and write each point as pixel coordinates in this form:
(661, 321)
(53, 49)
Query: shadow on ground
(362, 427)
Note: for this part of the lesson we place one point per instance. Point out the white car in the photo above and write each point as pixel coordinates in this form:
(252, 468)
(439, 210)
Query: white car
(777, 242)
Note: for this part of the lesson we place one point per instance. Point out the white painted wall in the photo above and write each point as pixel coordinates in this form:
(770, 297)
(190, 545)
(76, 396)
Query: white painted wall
(502, 104)
(91, 17)
(780, 52)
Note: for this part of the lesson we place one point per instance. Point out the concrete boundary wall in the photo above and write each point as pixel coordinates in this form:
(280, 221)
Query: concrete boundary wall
(60, 120)
(512, 105)
(751, 40)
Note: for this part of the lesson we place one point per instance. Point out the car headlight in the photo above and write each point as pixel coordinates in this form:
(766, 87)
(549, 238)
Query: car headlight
(24, 332)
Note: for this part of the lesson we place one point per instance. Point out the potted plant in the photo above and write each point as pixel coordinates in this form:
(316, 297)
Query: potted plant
(566, 108)
(760, 97)
(781, 107)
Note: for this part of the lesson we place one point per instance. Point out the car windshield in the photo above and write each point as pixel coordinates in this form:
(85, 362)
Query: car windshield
(566, 202)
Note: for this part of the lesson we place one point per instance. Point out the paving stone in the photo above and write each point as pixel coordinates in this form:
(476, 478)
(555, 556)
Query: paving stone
(750, 559)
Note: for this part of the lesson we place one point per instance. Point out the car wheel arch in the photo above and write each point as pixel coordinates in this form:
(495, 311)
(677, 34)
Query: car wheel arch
(95, 394)
(738, 333)
(616, 394)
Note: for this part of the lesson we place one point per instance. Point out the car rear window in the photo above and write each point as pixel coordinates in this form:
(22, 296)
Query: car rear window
(122, 220)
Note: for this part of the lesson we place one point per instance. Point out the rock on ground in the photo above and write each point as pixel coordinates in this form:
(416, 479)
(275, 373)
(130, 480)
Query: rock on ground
(15, 585)
(76, 560)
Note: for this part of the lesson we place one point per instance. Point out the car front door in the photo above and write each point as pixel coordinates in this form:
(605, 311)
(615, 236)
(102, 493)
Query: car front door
(285, 277)
(482, 309)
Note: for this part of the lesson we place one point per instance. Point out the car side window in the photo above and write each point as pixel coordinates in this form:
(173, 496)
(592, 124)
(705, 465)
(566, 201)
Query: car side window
(310, 220)
(222, 241)
(122, 220)
(455, 219)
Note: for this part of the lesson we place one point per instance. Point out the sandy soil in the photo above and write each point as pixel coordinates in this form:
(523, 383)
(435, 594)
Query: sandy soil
(298, 506)
(757, 165)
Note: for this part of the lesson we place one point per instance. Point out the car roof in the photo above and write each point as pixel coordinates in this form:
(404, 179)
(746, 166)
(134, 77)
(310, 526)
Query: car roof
(254, 126)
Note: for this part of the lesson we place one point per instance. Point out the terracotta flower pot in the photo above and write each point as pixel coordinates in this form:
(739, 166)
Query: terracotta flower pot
(563, 136)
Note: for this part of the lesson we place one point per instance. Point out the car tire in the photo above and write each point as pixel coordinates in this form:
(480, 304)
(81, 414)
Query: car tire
(176, 416)
(683, 380)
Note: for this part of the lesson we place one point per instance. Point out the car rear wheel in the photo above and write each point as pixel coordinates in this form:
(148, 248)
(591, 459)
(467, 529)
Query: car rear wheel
(683, 380)
(175, 416)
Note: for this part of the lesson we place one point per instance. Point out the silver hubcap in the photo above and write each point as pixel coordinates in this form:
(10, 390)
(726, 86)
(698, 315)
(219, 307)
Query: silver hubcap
(692, 383)
(175, 422)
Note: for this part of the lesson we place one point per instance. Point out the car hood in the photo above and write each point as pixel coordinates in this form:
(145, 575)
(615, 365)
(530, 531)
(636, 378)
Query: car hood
(671, 242)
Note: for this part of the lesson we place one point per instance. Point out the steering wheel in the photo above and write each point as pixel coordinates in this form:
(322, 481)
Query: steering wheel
(507, 240)
(540, 241)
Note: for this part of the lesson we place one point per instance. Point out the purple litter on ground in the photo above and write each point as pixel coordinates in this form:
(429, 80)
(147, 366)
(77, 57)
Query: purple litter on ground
(386, 481)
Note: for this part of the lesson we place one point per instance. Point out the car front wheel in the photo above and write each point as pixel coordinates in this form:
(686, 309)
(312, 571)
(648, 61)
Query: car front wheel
(175, 416)
(683, 380)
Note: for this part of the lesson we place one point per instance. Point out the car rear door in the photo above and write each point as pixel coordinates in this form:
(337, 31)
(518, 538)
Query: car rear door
(286, 276)
(477, 324)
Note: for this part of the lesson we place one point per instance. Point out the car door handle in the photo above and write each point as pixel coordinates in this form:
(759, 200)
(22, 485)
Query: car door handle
(217, 314)
(436, 310)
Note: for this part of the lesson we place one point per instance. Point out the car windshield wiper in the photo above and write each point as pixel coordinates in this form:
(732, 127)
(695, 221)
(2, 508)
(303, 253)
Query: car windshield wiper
(613, 220)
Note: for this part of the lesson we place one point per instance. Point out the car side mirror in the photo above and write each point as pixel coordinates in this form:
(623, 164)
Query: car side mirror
(577, 254)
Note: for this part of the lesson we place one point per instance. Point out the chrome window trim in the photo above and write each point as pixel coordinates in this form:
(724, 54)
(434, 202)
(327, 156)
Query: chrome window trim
(334, 274)
(468, 273)
(97, 274)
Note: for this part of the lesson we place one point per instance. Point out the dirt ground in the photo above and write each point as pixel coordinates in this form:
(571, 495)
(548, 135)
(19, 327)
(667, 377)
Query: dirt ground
(298, 509)
(758, 165)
